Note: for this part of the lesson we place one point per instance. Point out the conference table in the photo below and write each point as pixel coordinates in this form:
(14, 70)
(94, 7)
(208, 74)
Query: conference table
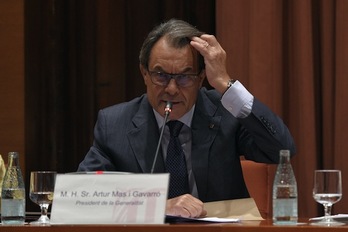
(244, 226)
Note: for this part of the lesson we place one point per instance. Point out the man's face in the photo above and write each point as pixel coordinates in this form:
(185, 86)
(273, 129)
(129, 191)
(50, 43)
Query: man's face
(167, 59)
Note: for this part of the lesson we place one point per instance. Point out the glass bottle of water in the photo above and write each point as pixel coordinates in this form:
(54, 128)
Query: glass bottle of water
(13, 193)
(284, 192)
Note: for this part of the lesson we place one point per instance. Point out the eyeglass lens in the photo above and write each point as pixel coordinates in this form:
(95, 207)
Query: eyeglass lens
(180, 79)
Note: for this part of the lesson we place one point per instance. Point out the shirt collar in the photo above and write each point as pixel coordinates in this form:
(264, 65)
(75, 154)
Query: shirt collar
(186, 118)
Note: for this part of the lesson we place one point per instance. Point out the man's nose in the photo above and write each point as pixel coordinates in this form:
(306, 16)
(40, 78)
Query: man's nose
(172, 87)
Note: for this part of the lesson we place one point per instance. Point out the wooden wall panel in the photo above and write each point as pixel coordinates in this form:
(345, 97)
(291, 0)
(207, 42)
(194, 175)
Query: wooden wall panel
(12, 78)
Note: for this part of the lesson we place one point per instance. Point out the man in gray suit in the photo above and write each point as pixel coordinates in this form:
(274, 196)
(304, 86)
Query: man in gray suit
(219, 125)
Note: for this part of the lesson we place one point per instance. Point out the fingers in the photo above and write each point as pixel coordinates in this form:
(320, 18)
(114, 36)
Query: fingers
(208, 47)
(214, 60)
(185, 206)
(204, 42)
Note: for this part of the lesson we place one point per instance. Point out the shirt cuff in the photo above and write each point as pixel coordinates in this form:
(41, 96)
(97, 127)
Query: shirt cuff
(238, 100)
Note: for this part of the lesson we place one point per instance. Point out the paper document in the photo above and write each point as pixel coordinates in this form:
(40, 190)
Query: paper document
(177, 219)
(230, 211)
(243, 209)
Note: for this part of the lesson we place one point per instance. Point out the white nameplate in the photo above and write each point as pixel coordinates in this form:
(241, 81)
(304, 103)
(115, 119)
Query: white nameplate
(109, 198)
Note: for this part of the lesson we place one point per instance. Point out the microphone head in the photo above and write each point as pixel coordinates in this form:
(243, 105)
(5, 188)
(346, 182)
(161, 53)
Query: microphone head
(168, 107)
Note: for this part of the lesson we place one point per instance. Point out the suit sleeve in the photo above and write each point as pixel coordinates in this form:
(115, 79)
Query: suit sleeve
(97, 157)
(264, 134)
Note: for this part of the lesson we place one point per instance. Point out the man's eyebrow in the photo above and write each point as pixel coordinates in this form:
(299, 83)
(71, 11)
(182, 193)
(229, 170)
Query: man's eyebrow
(160, 69)
(188, 69)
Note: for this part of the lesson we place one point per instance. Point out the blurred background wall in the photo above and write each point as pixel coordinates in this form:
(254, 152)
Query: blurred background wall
(62, 61)
(12, 100)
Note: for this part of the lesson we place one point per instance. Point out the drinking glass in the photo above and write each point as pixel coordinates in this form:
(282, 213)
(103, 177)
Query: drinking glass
(327, 191)
(41, 192)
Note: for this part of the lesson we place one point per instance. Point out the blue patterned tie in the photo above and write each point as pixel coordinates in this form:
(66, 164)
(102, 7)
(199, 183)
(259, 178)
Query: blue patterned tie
(175, 162)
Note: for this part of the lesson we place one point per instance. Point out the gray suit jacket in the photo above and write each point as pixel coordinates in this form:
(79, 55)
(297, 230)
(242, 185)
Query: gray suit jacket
(126, 137)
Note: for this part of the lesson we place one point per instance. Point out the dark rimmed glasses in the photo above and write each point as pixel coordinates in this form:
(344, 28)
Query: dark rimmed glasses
(181, 79)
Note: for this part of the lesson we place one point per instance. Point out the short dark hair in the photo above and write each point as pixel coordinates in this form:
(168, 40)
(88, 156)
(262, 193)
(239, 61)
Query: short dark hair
(178, 34)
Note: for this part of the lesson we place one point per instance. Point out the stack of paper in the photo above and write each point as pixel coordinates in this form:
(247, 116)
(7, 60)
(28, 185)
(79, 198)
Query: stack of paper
(230, 211)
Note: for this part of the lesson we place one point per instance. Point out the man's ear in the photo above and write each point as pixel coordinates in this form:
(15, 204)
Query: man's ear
(143, 71)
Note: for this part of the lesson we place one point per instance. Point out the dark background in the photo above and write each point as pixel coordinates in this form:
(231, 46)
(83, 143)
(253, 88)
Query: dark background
(81, 56)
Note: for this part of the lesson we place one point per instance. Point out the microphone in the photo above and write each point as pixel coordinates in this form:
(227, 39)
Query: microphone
(167, 110)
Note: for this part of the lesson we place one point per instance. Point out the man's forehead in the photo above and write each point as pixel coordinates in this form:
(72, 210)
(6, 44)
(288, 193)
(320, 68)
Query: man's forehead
(163, 50)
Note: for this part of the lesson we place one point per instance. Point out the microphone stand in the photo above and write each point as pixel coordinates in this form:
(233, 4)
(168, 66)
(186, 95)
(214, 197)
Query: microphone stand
(167, 110)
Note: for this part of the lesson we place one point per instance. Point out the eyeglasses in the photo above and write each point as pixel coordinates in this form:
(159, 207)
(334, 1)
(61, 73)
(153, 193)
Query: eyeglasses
(163, 79)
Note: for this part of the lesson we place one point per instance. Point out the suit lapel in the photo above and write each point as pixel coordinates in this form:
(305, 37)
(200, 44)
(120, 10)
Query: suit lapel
(204, 129)
(143, 138)
(205, 125)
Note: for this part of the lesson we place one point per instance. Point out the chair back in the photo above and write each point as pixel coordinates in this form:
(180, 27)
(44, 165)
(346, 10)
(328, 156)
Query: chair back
(259, 180)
